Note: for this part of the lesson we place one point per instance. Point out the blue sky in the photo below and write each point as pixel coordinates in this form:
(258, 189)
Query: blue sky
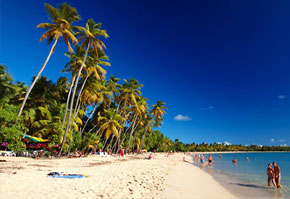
(222, 67)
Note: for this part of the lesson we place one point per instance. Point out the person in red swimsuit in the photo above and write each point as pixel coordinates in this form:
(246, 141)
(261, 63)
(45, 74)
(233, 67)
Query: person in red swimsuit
(121, 153)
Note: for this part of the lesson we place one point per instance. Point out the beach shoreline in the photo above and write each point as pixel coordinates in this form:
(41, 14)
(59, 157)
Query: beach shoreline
(247, 179)
(225, 152)
(190, 181)
(108, 177)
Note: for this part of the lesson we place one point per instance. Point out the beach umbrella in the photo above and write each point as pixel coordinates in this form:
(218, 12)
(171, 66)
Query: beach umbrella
(35, 139)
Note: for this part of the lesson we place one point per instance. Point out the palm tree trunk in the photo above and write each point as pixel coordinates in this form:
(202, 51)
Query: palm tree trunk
(134, 141)
(36, 78)
(78, 109)
(119, 105)
(70, 143)
(89, 119)
(98, 130)
(104, 143)
(24, 134)
(78, 100)
(93, 128)
(72, 100)
(131, 133)
(117, 140)
(67, 101)
(111, 140)
(116, 143)
(134, 137)
(143, 136)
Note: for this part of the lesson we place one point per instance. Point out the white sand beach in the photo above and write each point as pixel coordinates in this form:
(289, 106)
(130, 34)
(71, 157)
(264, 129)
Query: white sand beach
(108, 177)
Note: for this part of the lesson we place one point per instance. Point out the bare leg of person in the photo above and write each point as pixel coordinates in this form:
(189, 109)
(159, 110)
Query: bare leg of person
(278, 182)
(273, 181)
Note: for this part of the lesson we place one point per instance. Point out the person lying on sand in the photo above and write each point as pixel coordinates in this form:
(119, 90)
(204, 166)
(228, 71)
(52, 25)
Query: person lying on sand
(271, 176)
(149, 157)
(277, 175)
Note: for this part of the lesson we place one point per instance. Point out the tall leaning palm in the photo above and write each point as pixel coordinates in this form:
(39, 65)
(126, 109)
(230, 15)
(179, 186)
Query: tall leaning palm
(157, 113)
(61, 18)
(89, 39)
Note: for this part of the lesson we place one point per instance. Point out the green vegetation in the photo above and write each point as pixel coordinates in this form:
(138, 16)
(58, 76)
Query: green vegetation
(88, 111)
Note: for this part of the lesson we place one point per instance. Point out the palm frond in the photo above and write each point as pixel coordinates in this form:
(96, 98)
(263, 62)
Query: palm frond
(52, 12)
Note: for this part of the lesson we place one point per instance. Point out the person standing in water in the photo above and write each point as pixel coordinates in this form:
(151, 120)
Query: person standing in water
(235, 161)
(271, 175)
(210, 159)
(277, 175)
(202, 161)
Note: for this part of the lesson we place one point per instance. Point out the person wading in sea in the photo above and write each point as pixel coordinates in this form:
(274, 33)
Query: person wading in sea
(271, 175)
(277, 174)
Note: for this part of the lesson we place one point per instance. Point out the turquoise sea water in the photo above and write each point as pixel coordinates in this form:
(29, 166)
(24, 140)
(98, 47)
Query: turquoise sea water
(248, 179)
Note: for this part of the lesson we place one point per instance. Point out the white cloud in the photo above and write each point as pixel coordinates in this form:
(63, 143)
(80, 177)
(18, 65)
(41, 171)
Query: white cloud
(281, 140)
(180, 117)
(219, 143)
(227, 143)
(281, 96)
(277, 140)
(207, 108)
(283, 145)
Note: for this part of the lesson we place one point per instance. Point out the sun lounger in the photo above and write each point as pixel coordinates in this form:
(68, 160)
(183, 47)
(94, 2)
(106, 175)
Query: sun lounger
(104, 154)
(8, 153)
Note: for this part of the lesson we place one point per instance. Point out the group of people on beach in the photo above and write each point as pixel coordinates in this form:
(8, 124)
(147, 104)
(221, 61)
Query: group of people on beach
(274, 175)
(203, 160)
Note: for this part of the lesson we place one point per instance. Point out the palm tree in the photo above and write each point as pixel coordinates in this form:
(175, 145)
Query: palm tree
(113, 85)
(128, 97)
(93, 66)
(6, 87)
(29, 118)
(61, 19)
(138, 110)
(61, 89)
(157, 113)
(129, 93)
(167, 143)
(73, 66)
(90, 141)
(20, 89)
(109, 123)
(88, 37)
(42, 94)
(99, 94)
